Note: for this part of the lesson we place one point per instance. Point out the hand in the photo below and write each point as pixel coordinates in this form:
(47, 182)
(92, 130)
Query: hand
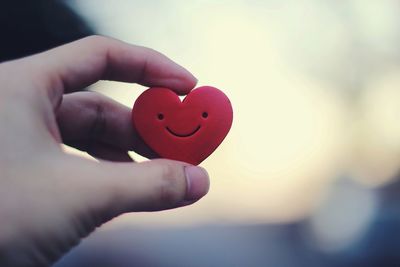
(49, 200)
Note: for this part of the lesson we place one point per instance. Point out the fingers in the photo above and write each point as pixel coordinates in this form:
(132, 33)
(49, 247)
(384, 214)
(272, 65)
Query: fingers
(78, 64)
(110, 153)
(100, 126)
(115, 188)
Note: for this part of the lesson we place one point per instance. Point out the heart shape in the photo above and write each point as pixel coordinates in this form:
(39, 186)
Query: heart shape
(188, 130)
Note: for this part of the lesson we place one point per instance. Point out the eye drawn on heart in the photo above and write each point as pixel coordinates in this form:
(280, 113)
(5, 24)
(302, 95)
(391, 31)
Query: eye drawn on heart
(160, 117)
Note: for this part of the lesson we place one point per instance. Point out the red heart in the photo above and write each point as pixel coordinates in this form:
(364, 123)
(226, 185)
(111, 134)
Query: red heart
(188, 130)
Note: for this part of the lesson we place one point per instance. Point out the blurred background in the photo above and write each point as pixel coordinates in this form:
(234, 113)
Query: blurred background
(308, 175)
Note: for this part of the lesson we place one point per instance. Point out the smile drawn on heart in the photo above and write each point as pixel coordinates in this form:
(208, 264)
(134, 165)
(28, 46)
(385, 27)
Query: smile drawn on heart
(183, 135)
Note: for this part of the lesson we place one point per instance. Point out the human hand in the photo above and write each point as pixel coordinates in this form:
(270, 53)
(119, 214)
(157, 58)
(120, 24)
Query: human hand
(49, 200)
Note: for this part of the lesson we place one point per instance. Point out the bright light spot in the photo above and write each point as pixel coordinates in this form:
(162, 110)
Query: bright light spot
(343, 219)
(285, 68)
(378, 148)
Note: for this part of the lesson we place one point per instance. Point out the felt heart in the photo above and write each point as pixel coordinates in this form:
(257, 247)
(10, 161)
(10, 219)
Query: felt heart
(188, 130)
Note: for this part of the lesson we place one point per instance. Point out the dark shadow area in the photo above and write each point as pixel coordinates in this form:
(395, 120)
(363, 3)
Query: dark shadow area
(28, 27)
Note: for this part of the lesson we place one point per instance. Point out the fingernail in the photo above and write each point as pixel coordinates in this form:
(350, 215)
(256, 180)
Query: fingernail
(197, 182)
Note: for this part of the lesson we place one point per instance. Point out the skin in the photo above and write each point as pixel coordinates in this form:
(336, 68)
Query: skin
(50, 200)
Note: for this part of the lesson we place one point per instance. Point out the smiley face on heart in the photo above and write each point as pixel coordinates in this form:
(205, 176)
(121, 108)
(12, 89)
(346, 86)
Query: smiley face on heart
(188, 130)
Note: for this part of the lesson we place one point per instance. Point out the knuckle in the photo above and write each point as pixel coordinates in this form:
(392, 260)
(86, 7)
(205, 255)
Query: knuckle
(98, 126)
(98, 43)
(172, 183)
(93, 98)
(151, 52)
(95, 39)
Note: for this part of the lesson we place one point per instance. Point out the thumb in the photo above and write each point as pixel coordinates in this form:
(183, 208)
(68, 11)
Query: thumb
(110, 189)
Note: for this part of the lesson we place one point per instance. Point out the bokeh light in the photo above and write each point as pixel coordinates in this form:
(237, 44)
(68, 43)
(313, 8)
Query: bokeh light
(311, 162)
(305, 110)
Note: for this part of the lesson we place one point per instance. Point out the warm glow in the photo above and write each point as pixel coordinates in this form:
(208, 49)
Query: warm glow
(290, 71)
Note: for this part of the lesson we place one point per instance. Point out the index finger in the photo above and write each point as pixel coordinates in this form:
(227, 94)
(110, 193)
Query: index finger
(76, 65)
